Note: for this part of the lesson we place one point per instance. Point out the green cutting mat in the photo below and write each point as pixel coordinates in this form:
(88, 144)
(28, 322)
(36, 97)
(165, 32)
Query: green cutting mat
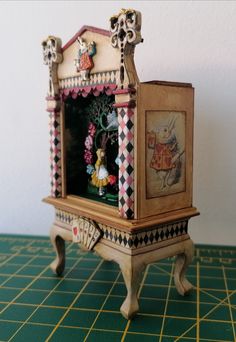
(35, 305)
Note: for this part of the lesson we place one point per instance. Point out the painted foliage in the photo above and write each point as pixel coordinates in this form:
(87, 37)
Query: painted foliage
(165, 153)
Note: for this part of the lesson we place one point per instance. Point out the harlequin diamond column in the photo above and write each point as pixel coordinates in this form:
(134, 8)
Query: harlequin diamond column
(55, 153)
(125, 34)
(52, 57)
(126, 157)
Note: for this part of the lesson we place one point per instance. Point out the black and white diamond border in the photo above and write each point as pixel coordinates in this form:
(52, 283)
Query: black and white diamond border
(136, 240)
(95, 79)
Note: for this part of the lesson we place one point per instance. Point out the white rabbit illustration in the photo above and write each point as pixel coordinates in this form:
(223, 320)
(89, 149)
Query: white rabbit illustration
(166, 154)
(84, 62)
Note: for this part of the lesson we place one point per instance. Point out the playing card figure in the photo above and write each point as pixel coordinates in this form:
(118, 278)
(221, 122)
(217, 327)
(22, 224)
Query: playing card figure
(84, 63)
(166, 155)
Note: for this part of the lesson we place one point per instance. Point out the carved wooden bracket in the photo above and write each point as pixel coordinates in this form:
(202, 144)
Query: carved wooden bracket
(125, 34)
(125, 28)
(86, 232)
(52, 56)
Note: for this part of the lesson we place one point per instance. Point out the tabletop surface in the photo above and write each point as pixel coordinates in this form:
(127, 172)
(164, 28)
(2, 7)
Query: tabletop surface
(83, 304)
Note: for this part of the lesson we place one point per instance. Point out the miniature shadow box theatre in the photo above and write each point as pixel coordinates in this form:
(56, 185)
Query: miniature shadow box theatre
(121, 155)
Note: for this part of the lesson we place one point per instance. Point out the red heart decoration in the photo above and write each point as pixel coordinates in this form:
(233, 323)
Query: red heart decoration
(75, 230)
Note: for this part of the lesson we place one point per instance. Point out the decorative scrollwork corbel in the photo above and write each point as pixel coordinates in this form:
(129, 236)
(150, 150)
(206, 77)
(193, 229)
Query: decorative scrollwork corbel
(125, 34)
(52, 56)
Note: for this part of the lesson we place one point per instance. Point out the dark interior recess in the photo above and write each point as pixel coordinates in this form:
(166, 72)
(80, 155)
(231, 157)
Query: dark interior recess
(78, 115)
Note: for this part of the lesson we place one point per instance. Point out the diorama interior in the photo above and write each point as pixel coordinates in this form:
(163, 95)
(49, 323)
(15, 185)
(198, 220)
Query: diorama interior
(121, 155)
(91, 137)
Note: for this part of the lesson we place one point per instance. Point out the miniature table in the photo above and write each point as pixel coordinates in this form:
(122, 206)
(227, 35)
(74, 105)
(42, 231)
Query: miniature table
(121, 155)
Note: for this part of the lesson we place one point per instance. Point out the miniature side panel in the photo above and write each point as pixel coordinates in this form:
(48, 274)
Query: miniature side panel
(164, 149)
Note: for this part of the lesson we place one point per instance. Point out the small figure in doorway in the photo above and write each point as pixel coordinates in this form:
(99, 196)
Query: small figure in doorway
(100, 177)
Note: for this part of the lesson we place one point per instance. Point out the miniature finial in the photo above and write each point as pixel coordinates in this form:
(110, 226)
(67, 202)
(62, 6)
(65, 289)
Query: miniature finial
(125, 28)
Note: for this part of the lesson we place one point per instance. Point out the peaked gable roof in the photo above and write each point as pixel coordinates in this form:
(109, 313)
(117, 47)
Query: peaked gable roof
(82, 30)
